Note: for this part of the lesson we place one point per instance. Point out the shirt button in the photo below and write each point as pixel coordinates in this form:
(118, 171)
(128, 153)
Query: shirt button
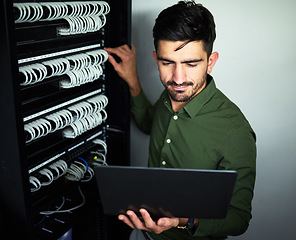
(175, 117)
(163, 162)
(168, 140)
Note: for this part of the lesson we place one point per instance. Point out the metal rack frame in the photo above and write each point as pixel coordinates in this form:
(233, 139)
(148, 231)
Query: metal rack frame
(19, 207)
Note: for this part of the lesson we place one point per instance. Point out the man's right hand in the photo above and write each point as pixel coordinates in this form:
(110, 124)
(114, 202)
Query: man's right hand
(127, 67)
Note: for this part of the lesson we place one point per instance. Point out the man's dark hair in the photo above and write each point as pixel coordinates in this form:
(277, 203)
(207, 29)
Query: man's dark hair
(185, 21)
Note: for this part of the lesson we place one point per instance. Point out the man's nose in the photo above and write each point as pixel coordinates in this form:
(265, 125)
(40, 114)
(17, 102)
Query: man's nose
(179, 74)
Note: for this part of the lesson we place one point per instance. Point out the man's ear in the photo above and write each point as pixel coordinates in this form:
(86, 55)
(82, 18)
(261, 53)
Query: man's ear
(212, 61)
(154, 55)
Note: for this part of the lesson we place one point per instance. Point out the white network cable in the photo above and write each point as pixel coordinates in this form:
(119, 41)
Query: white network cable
(58, 210)
(101, 153)
(85, 67)
(91, 173)
(81, 126)
(46, 172)
(33, 73)
(35, 182)
(79, 170)
(59, 167)
(86, 21)
(89, 113)
(100, 159)
(79, 118)
(76, 172)
(33, 12)
(29, 12)
(81, 68)
(101, 143)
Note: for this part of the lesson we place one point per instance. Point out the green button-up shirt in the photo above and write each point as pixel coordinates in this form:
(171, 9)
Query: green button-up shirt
(209, 132)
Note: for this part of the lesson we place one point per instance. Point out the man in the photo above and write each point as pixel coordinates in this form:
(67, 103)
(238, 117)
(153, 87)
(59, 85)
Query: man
(192, 125)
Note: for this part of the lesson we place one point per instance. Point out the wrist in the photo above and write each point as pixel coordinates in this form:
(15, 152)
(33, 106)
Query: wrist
(135, 89)
(182, 222)
(188, 223)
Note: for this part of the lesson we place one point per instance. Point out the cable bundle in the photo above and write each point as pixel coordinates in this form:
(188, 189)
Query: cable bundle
(82, 17)
(99, 155)
(59, 167)
(83, 24)
(37, 72)
(85, 17)
(38, 128)
(60, 119)
(33, 73)
(28, 12)
(57, 66)
(79, 170)
(79, 117)
(81, 68)
(48, 11)
(85, 68)
(90, 114)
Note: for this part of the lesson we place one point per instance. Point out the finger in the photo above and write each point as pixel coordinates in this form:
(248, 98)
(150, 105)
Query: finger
(126, 220)
(125, 47)
(120, 51)
(136, 221)
(167, 223)
(161, 222)
(149, 223)
(133, 48)
(117, 51)
(112, 61)
(111, 50)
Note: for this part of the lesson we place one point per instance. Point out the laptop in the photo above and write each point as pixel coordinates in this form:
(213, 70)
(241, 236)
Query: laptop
(165, 192)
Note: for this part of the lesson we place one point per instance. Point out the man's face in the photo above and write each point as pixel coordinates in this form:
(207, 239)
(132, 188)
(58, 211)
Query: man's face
(182, 72)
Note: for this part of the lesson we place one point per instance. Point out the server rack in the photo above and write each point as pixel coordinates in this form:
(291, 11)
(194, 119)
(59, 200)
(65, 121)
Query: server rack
(52, 116)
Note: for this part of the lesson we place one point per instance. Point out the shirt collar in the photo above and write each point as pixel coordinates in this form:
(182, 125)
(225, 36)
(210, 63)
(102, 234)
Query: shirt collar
(195, 105)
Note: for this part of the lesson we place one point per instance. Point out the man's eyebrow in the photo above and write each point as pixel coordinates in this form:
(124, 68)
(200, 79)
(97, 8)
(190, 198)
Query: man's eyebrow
(193, 61)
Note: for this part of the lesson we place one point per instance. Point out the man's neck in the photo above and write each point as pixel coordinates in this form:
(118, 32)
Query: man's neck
(177, 106)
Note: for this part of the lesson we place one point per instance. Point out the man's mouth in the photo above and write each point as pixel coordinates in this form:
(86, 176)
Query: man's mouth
(179, 87)
(175, 85)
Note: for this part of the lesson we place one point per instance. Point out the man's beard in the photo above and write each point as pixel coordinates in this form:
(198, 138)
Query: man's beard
(179, 96)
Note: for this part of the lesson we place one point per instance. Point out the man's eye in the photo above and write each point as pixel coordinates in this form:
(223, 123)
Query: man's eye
(166, 63)
(191, 65)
